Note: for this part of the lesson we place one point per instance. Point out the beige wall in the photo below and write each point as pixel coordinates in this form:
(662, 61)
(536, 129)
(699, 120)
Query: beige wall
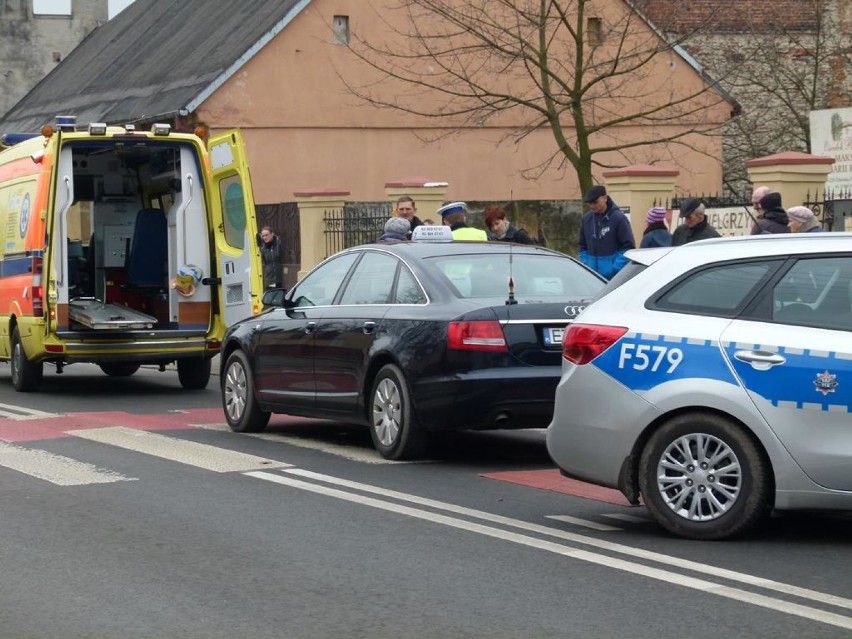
(305, 130)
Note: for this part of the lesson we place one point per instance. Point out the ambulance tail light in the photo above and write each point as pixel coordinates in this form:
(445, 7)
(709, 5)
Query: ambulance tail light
(37, 289)
(584, 342)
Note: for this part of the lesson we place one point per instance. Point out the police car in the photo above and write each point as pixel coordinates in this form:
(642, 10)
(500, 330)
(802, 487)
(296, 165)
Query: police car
(714, 382)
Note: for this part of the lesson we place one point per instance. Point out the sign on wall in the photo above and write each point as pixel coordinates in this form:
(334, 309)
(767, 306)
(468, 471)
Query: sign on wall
(831, 136)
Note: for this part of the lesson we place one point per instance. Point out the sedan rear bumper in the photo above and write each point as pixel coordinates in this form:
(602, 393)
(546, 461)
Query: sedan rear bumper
(488, 399)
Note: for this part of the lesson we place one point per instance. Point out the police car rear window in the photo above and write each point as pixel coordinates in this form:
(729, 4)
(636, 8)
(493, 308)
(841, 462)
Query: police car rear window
(722, 290)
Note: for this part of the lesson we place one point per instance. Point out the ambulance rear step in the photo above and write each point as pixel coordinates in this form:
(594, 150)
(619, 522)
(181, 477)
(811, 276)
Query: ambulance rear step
(93, 313)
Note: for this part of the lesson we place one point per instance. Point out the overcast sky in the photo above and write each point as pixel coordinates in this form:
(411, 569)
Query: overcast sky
(117, 5)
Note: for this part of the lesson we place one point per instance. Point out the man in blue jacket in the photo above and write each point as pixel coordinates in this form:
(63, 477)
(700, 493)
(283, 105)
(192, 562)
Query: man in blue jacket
(605, 234)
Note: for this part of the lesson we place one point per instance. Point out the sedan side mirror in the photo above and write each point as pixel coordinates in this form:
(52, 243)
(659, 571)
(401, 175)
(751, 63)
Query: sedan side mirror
(273, 297)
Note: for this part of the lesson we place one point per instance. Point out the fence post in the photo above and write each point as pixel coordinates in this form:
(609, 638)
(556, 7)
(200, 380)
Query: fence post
(313, 204)
(792, 174)
(428, 195)
(636, 188)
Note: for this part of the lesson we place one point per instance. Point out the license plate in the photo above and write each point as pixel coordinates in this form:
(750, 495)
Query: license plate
(553, 336)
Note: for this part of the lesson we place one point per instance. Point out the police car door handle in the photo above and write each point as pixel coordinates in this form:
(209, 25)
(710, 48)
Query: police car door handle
(310, 327)
(368, 327)
(760, 360)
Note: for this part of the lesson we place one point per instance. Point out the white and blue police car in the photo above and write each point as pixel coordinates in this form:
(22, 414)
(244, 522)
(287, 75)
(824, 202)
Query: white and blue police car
(713, 381)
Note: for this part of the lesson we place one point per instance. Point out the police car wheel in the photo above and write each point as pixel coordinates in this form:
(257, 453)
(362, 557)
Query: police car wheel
(393, 426)
(241, 410)
(26, 375)
(704, 477)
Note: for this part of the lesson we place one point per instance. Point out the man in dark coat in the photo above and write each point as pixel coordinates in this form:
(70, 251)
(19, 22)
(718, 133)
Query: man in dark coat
(695, 226)
(774, 218)
(407, 210)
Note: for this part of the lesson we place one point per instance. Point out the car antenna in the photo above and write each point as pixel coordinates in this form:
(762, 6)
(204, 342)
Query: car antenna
(511, 301)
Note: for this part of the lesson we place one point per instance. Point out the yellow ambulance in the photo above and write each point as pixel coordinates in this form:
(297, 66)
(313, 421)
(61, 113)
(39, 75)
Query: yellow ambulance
(123, 247)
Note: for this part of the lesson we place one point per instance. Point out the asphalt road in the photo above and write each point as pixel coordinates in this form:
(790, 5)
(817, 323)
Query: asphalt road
(129, 510)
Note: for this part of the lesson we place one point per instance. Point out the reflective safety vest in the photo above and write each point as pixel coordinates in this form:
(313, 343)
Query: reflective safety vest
(470, 233)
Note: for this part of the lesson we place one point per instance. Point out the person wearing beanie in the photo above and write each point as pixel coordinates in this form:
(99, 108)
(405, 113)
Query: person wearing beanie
(396, 230)
(605, 234)
(695, 226)
(803, 220)
(501, 229)
(656, 232)
(774, 219)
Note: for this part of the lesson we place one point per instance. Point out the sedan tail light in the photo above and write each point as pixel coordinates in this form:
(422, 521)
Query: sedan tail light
(476, 336)
(584, 342)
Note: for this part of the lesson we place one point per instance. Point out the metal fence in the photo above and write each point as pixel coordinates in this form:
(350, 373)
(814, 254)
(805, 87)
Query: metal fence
(358, 223)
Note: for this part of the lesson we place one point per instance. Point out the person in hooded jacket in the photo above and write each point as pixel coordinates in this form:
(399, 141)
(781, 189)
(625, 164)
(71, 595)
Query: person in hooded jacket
(695, 226)
(396, 230)
(656, 233)
(774, 218)
(605, 234)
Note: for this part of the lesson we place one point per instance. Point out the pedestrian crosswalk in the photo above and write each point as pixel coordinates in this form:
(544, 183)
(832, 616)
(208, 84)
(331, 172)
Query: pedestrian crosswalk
(56, 469)
(10, 411)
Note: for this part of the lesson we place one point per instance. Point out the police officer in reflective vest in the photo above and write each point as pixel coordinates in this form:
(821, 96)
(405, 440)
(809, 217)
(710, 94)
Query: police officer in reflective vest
(454, 216)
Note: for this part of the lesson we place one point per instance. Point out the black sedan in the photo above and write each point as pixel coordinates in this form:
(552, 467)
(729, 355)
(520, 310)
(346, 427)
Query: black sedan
(408, 339)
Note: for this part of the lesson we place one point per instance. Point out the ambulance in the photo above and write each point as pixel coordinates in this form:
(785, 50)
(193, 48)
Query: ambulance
(122, 248)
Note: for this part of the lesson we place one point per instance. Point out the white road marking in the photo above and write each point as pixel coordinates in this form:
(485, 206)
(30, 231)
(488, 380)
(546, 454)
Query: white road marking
(56, 469)
(363, 455)
(11, 411)
(668, 560)
(219, 460)
(633, 519)
(702, 585)
(583, 522)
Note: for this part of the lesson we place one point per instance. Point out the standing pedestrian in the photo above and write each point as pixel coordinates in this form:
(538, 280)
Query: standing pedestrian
(656, 233)
(396, 230)
(774, 219)
(270, 255)
(406, 209)
(454, 215)
(803, 220)
(695, 226)
(502, 230)
(605, 234)
(756, 196)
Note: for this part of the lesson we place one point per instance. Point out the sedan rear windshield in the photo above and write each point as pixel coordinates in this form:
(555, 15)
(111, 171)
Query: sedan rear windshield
(537, 278)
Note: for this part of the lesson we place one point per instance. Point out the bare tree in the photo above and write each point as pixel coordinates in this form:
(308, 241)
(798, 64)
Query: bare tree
(594, 73)
(780, 61)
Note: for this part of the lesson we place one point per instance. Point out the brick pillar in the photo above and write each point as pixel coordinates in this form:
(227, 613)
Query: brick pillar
(313, 204)
(428, 195)
(636, 188)
(792, 174)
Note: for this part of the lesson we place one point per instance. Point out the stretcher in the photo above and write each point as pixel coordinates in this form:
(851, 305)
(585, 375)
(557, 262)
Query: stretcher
(94, 314)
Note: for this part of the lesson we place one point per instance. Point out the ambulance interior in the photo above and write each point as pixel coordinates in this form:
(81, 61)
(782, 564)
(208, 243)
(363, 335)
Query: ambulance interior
(135, 237)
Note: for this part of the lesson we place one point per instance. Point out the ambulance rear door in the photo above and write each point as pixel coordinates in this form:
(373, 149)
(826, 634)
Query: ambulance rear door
(235, 228)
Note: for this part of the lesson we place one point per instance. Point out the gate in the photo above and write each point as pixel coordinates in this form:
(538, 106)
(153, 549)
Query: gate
(358, 223)
(834, 209)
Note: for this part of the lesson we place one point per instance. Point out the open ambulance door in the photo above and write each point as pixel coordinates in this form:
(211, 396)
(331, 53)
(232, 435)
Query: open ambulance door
(234, 228)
